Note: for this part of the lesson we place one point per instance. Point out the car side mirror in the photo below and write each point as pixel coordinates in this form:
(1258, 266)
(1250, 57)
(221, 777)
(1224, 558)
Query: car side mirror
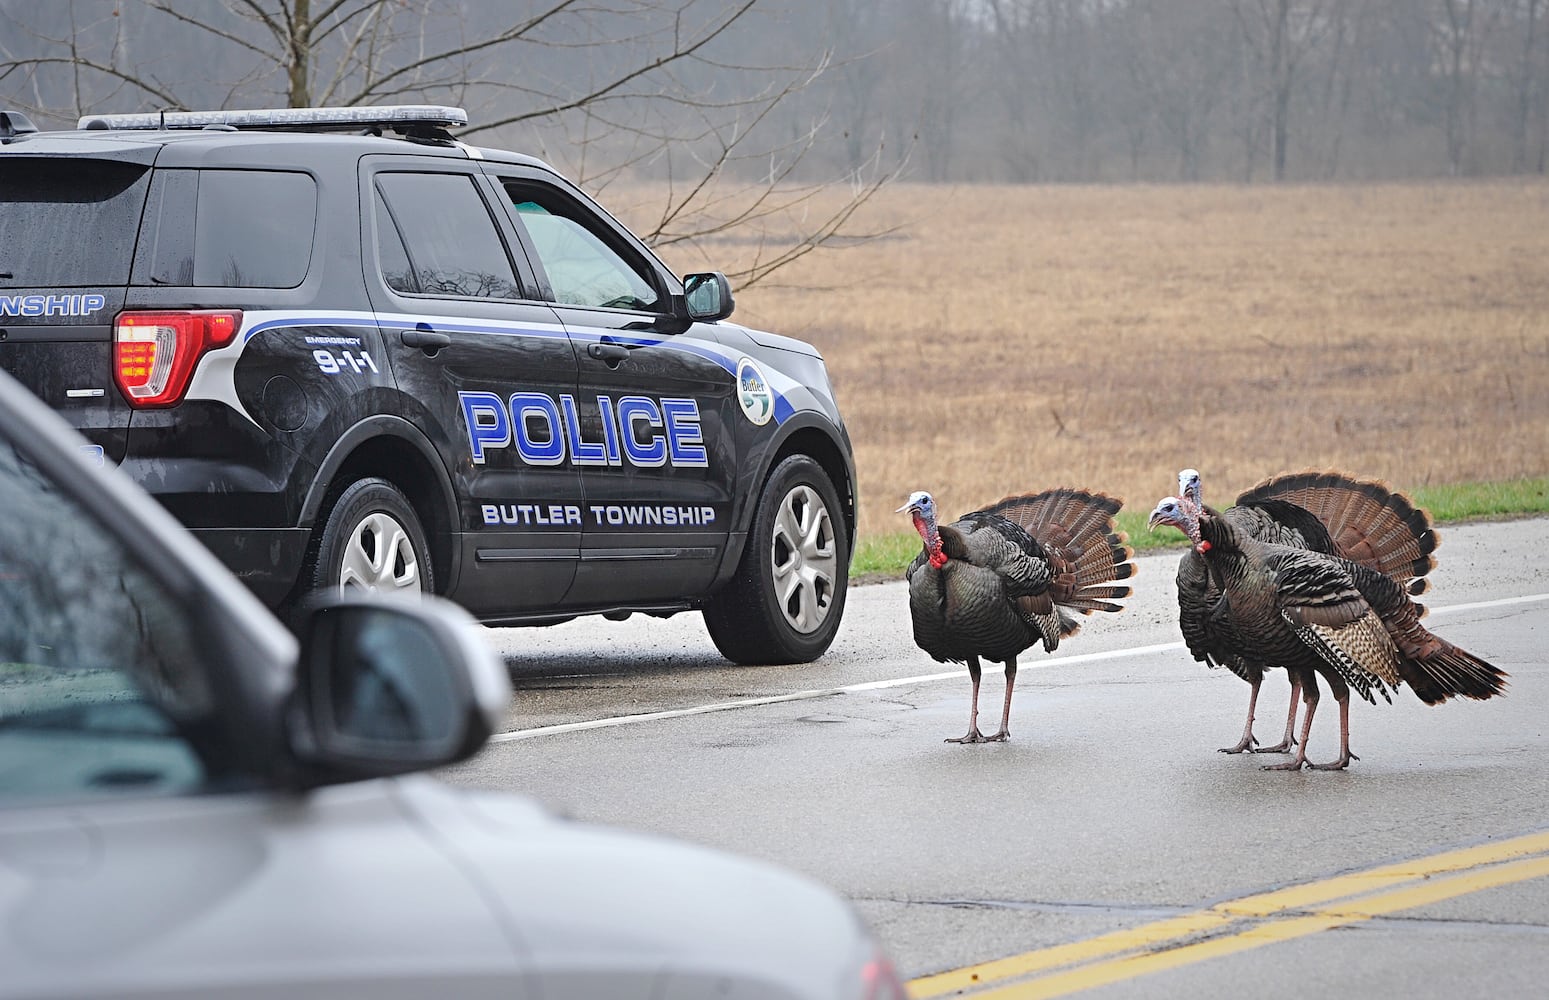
(708, 296)
(386, 687)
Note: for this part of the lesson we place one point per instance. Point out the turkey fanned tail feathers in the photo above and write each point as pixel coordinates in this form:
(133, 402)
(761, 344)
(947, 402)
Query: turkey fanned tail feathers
(1367, 521)
(1075, 529)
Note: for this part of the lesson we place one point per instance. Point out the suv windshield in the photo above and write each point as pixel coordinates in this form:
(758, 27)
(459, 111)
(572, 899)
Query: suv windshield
(68, 222)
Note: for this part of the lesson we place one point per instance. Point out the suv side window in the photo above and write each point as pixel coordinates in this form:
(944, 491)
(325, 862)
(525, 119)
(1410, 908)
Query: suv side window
(254, 228)
(449, 238)
(228, 229)
(98, 664)
(583, 269)
(391, 253)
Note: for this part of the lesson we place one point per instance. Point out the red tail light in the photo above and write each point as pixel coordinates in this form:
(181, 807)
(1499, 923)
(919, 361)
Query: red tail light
(154, 353)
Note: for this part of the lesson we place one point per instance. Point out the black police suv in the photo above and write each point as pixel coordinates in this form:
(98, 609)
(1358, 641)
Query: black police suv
(348, 350)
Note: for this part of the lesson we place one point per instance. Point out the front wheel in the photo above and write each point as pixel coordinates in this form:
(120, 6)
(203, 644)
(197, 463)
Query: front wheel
(372, 541)
(787, 598)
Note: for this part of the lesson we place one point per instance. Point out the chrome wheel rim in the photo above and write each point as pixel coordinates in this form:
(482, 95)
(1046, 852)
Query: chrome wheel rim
(804, 559)
(380, 558)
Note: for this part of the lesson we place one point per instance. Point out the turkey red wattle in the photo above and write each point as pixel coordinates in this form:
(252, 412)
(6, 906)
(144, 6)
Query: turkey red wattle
(927, 528)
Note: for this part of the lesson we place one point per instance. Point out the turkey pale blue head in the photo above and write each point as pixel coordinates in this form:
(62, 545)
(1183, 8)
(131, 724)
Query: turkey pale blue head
(919, 502)
(1179, 514)
(921, 506)
(1189, 487)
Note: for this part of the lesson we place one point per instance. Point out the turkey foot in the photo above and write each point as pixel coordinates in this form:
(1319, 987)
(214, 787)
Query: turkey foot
(1336, 765)
(1294, 764)
(1284, 746)
(999, 737)
(972, 736)
(1246, 743)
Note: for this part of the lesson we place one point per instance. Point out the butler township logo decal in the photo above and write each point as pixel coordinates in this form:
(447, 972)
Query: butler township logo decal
(753, 392)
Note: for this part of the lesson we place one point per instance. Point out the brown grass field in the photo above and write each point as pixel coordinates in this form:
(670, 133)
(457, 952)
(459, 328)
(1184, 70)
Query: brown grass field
(1007, 339)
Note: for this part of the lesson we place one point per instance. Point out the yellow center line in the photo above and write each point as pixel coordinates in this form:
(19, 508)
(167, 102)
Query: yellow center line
(1271, 932)
(1067, 954)
(1125, 943)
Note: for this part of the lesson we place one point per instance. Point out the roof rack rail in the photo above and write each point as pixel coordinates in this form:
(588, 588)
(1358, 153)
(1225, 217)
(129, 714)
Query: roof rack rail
(420, 121)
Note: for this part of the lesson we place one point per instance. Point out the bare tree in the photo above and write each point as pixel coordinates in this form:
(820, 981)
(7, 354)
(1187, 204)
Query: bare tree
(1282, 33)
(607, 88)
(1460, 33)
(1172, 59)
(1529, 13)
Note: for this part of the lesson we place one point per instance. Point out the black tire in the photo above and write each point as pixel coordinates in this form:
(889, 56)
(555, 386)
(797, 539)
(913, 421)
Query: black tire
(372, 540)
(785, 603)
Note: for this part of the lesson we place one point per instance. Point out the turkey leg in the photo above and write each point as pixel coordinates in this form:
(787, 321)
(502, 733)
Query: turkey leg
(1345, 756)
(1285, 745)
(1005, 711)
(973, 735)
(1310, 696)
(1247, 741)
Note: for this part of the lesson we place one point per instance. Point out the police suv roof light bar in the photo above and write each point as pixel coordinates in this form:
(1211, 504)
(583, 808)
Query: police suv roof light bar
(429, 120)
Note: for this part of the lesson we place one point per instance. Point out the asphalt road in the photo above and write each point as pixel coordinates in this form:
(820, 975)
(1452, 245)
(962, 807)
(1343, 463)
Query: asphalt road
(1108, 828)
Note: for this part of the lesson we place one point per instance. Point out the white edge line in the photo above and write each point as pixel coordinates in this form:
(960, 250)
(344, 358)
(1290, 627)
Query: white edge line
(724, 706)
(1501, 603)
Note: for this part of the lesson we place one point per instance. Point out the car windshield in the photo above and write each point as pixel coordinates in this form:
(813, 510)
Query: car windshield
(98, 674)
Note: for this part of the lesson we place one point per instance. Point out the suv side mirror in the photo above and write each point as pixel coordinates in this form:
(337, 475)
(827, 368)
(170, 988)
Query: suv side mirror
(387, 687)
(708, 296)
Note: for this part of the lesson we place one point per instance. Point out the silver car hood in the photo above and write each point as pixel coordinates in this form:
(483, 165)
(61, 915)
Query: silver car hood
(399, 887)
(588, 897)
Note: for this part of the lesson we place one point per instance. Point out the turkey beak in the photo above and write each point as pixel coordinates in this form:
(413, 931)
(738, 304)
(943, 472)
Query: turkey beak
(907, 507)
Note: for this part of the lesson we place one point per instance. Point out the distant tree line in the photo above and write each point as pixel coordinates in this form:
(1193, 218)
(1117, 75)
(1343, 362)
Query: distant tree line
(776, 91)
(1238, 90)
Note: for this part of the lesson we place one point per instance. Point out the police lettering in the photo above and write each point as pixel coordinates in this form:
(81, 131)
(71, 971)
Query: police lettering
(638, 430)
(541, 515)
(561, 515)
(51, 305)
(646, 514)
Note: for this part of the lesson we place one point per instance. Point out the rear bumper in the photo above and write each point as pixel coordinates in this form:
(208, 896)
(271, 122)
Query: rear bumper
(268, 560)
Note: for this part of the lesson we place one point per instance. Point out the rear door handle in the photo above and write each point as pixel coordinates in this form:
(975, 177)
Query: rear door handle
(423, 337)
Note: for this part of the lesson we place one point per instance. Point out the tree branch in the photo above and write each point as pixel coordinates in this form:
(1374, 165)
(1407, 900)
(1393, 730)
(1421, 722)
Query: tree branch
(596, 93)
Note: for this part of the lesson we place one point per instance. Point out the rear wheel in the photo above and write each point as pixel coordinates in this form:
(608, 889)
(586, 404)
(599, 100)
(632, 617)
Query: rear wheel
(787, 599)
(372, 541)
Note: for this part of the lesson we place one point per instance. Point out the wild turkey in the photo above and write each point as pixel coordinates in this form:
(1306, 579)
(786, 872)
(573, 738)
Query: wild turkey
(1318, 614)
(998, 580)
(1326, 512)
